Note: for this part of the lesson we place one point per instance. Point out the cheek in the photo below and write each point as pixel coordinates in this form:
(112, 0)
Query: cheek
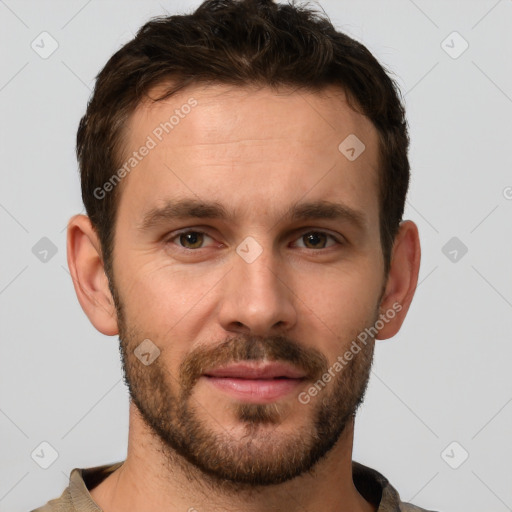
(341, 303)
(179, 286)
(168, 301)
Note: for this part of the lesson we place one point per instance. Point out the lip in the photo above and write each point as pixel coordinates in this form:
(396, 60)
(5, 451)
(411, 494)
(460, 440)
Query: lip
(259, 391)
(256, 371)
(256, 383)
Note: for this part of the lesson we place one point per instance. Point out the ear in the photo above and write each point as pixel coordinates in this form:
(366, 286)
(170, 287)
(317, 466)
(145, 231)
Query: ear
(402, 279)
(85, 263)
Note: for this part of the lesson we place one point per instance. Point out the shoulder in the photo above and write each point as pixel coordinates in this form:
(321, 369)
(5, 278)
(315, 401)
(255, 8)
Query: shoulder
(63, 503)
(76, 497)
(376, 488)
(409, 507)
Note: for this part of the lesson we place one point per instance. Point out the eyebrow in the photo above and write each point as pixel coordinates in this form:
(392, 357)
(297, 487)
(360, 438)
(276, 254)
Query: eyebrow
(181, 209)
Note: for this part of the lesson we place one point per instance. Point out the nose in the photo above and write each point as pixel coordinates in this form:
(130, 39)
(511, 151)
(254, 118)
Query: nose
(257, 297)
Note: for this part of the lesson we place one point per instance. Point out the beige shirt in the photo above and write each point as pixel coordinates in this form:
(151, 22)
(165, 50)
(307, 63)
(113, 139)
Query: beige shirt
(374, 487)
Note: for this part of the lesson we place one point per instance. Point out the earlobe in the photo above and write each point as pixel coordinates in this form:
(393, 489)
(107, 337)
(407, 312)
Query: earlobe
(402, 279)
(89, 279)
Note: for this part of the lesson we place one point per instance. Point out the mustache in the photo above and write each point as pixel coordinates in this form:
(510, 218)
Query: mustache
(250, 348)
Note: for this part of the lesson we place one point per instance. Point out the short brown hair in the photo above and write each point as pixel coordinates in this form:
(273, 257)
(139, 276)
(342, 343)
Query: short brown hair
(240, 42)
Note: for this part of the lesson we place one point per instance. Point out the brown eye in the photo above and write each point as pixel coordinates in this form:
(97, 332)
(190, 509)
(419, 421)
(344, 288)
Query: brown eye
(191, 239)
(316, 240)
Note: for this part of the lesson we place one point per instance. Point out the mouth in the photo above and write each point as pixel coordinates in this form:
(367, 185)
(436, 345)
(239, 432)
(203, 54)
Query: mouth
(256, 383)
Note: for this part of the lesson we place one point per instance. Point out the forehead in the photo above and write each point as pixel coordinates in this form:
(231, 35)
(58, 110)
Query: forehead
(227, 111)
(247, 146)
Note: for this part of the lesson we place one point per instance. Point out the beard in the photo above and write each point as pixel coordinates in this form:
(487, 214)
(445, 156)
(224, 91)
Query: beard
(192, 440)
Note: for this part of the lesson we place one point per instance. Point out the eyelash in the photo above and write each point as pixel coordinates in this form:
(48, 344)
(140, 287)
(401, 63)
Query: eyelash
(301, 235)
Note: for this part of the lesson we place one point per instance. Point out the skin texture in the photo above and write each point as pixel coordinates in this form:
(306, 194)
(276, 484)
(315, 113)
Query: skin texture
(303, 300)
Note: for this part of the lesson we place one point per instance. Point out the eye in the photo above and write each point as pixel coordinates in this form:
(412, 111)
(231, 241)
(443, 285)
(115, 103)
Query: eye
(193, 240)
(317, 239)
(190, 239)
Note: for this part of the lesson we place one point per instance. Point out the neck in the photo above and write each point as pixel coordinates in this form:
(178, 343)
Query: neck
(154, 478)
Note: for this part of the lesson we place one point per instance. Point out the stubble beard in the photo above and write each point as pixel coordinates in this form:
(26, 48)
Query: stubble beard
(193, 442)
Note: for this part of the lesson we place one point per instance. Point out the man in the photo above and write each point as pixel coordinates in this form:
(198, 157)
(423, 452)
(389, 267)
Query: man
(244, 170)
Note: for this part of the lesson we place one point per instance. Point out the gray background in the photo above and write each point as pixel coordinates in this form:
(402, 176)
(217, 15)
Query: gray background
(444, 378)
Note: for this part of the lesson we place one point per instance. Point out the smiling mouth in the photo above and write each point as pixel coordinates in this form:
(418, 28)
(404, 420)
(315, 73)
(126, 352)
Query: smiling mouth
(251, 390)
(256, 382)
(257, 371)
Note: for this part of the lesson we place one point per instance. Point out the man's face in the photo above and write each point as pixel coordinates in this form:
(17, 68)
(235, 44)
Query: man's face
(255, 286)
